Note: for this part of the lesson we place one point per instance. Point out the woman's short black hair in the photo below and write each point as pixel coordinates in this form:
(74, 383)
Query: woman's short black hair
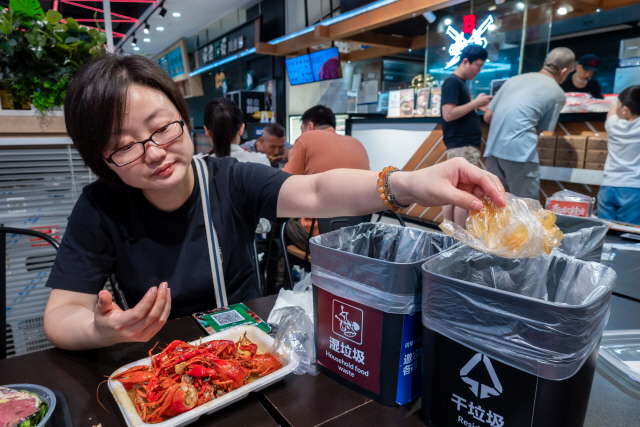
(319, 116)
(95, 104)
(630, 98)
(223, 118)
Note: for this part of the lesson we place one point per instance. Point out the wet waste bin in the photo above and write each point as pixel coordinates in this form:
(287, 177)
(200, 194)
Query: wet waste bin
(583, 237)
(367, 292)
(510, 342)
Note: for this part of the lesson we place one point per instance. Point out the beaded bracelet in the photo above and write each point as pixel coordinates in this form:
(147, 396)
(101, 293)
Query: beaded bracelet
(385, 190)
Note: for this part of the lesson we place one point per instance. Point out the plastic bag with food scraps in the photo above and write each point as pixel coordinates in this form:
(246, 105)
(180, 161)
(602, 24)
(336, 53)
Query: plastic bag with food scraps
(521, 229)
(295, 335)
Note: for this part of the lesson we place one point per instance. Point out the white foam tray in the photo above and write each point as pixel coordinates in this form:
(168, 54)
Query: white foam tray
(254, 334)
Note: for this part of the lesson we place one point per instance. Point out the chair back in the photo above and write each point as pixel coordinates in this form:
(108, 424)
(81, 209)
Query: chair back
(3, 277)
(326, 225)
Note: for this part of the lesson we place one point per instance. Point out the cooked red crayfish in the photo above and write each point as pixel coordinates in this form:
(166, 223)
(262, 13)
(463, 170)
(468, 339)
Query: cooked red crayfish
(183, 376)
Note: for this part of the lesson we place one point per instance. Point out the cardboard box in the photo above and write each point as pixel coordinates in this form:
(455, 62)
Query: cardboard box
(594, 166)
(596, 156)
(598, 143)
(546, 162)
(569, 164)
(547, 142)
(571, 142)
(546, 153)
(570, 156)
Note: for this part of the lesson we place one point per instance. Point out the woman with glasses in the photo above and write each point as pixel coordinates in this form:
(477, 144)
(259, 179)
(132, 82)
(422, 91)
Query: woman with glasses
(178, 231)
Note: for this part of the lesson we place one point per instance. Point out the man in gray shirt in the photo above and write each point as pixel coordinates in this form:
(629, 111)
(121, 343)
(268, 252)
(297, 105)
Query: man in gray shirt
(523, 107)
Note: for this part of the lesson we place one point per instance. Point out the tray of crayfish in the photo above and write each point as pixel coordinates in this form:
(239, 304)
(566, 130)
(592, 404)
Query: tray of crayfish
(187, 380)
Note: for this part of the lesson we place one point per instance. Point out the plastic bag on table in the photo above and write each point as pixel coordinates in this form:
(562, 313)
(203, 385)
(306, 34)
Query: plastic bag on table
(522, 229)
(295, 335)
(300, 296)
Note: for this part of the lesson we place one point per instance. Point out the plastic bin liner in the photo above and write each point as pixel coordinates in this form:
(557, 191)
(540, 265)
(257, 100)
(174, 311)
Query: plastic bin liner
(375, 264)
(542, 315)
(583, 237)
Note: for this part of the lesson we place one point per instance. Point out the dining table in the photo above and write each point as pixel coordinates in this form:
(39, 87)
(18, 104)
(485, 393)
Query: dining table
(297, 400)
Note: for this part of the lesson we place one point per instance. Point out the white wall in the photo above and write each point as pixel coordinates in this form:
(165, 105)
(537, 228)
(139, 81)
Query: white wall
(391, 144)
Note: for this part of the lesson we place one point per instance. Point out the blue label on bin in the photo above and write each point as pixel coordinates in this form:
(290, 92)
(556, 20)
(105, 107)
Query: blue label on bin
(410, 371)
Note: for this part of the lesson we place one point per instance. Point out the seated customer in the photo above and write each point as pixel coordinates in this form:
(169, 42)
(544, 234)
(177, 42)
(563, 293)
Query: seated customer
(271, 143)
(317, 150)
(223, 123)
(619, 195)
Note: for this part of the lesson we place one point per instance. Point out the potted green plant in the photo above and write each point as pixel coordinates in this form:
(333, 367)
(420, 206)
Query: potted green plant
(40, 53)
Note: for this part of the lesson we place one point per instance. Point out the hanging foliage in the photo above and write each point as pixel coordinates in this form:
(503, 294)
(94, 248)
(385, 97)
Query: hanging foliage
(40, 53)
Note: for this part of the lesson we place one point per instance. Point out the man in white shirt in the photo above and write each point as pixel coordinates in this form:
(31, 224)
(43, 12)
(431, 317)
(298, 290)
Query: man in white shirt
(619, 195)
(524, 106)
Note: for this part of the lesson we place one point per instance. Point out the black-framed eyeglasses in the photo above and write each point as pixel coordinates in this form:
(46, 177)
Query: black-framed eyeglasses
(132, 152)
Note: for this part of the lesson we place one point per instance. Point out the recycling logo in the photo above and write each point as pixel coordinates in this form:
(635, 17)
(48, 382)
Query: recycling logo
(481, 390)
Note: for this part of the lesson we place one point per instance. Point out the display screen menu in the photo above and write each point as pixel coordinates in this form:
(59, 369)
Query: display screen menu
(299, 70)
(326, 64)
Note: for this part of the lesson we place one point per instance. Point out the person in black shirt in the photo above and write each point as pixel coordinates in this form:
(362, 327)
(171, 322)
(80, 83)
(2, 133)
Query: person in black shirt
(582, 79)
(461, 129)
(157, 216)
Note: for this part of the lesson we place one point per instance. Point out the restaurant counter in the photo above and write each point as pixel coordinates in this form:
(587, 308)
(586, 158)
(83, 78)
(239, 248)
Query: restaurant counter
(298, 400)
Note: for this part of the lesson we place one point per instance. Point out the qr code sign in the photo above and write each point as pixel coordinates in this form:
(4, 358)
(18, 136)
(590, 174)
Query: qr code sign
(227, 317)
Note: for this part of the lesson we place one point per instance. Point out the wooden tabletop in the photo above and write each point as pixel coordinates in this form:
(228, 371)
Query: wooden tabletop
(77, 374)
(298, 400)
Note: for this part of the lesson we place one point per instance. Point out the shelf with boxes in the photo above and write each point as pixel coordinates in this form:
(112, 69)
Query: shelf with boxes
(573, 151)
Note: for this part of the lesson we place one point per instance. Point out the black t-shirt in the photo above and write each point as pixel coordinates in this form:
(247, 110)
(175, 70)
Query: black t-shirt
(463, 131)
(118, 230)
(592, 87)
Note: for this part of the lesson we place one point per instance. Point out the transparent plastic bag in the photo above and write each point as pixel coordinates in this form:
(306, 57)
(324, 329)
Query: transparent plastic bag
(522, 229)
(543, 315)
(375, 264)
(295, 335)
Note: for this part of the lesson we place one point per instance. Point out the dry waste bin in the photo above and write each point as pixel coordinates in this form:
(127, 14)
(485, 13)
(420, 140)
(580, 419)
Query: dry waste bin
(508, 342)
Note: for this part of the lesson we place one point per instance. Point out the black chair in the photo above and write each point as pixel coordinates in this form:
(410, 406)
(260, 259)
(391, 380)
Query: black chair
(324, 225)
(117, 292)
(392, 214)
(3, 277)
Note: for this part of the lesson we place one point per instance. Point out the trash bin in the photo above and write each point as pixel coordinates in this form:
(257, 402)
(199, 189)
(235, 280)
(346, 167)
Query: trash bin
(583, 237)
(510, 342)
(367, 292)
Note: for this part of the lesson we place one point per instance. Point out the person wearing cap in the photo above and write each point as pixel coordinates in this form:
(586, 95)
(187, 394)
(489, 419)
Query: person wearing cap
(582, 79)
(524, 106)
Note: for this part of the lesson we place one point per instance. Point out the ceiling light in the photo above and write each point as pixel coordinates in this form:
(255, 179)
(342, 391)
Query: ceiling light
(520, 5)
(176, 14)
(147, 39)
(134, 41)
(447, 21)
(492, 27)
(492, 8)
(430, 17)
(136, 48)
(146, 28)
(163, 12)
(562, 11)
(159, 28)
